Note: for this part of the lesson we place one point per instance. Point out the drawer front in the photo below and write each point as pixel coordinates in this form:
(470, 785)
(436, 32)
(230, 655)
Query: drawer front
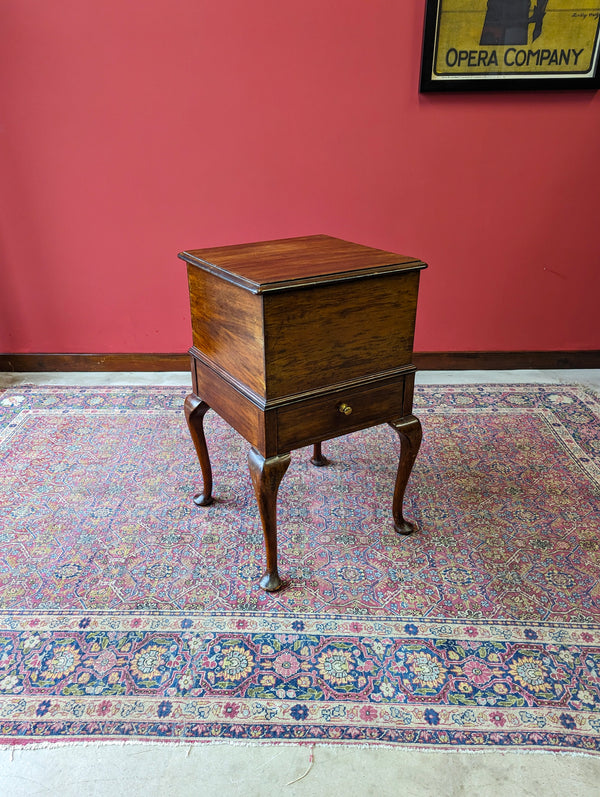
(233, 406)
(342, 411)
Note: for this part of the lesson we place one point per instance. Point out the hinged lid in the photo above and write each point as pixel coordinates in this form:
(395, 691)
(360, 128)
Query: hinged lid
(297, 262)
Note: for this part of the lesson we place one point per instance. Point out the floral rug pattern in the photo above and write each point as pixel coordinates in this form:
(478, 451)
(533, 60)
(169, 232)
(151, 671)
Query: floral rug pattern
(126, 612)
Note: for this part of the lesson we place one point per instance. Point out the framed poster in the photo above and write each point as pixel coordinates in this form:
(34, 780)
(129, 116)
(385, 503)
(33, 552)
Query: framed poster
(510, 44)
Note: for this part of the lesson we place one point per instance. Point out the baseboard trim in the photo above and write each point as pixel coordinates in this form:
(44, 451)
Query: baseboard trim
(505, 360)
(424, 361)
(94, 362)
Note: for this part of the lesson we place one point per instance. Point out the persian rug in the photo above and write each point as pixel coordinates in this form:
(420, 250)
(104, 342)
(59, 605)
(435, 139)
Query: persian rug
(128, 613)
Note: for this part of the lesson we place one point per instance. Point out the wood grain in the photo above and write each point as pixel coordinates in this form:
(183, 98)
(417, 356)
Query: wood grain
(227, 327)
(239, 411)
(335, 333)
(269, 265)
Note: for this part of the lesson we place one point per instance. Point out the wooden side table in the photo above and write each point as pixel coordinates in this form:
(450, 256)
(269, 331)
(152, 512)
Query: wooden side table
(297, 341)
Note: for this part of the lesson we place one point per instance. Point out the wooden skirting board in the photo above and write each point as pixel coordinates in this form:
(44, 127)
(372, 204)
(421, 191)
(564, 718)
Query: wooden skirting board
(424, 361)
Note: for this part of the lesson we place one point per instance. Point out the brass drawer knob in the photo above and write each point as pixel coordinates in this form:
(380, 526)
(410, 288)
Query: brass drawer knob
(344, 408)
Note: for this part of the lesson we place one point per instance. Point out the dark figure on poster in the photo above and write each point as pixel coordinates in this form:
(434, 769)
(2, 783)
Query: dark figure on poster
(508, 21)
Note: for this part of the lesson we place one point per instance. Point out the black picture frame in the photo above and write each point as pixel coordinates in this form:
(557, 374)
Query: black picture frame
(527, 44)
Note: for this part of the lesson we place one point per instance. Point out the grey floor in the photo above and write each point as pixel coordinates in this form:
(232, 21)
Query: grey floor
(174, 770)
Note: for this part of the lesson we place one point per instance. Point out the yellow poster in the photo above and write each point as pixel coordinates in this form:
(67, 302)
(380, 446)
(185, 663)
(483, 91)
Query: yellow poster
(517, 39)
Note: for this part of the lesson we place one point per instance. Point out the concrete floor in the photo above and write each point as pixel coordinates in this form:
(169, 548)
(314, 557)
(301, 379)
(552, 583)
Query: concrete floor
(589, 377)
(173, 770)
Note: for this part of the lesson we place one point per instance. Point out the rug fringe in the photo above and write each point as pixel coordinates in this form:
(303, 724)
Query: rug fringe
(19, 745)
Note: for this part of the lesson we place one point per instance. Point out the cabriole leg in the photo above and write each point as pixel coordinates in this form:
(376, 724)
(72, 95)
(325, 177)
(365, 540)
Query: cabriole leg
(266, 477)
(410, 433)
(195, 410)
(317, 458)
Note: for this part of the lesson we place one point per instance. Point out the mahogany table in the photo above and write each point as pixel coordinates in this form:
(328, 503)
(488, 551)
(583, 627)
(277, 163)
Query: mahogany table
(297, 341)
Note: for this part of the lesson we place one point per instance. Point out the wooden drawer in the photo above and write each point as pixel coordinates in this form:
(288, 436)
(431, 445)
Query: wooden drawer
(320, 418)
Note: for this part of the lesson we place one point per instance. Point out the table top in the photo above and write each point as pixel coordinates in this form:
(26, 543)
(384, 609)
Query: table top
(268, 266)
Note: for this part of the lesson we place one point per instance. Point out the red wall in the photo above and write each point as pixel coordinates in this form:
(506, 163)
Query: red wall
(133, 130)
